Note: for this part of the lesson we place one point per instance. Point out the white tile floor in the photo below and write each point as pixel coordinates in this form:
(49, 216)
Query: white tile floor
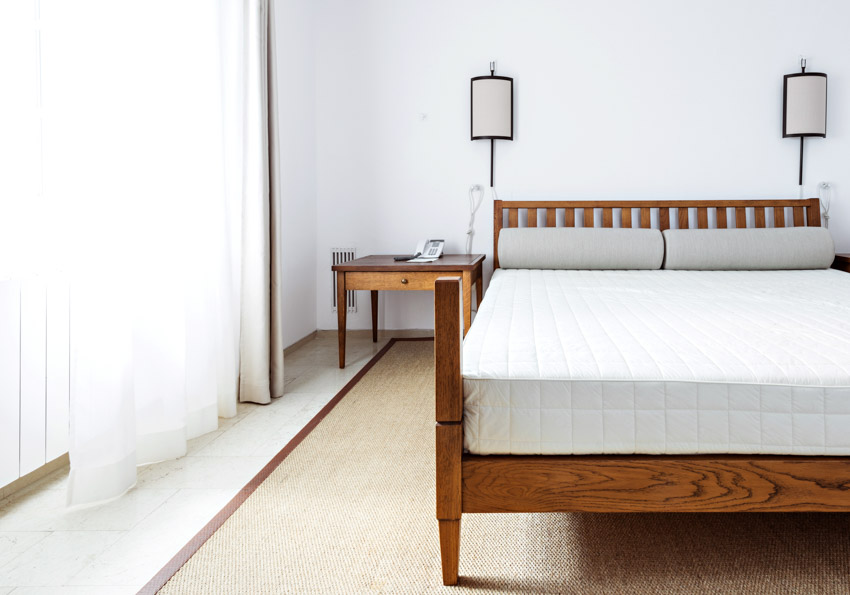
(116, 548)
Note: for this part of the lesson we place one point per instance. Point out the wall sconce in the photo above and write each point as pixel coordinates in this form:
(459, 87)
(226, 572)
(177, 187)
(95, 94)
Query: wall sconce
(492, 109)
(804, 106)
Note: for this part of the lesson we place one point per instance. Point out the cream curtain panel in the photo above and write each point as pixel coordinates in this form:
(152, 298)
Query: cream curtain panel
(261, 345)
(173, 246)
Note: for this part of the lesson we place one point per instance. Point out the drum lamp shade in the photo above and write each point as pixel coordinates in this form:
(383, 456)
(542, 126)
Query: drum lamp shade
(804, 105)
(492, 108)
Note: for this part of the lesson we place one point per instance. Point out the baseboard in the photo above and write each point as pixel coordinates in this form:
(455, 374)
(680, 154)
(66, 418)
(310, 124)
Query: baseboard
(33, 476)
(300, 342)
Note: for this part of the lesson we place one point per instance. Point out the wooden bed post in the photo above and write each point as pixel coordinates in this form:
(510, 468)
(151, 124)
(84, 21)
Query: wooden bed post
(448, 329)
(497, 225)
(813, 213)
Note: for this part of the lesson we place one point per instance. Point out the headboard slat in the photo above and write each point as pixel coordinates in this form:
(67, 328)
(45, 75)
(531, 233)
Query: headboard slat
(532, 217)
(683, 218)
(799, 216)
(663, 218)
(551, 215)
(645, 217)
(740, 217)
(721, 217)
(607, 217)
(588, 216)
(759, 212)
(627, 217)
(702, 217)
(778, 216)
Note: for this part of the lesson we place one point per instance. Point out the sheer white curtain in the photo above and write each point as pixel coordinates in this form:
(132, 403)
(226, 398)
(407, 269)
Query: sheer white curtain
(157, 141)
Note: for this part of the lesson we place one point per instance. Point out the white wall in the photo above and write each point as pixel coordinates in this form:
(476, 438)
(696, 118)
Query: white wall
(295, 33)
(618, 99)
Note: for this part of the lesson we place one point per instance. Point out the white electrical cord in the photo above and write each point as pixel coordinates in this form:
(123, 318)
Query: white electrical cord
(825, 196)
(474, 203)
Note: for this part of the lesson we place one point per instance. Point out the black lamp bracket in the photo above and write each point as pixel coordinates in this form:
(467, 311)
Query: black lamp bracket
(492, 142)
(800, 182)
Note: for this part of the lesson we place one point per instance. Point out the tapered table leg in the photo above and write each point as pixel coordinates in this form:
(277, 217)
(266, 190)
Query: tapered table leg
(341, 310)
(374, 316)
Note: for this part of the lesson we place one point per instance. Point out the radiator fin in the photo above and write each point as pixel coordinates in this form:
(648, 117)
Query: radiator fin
(339, 256)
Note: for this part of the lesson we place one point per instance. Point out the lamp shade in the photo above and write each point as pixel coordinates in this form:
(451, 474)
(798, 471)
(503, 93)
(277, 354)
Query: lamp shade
(804, 104)
(492, 107)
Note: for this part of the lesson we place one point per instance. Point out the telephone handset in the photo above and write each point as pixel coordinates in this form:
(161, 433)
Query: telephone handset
(426, 251)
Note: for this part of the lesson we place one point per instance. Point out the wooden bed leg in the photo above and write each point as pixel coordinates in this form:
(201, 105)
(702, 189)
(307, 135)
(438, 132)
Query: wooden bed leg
(449, 478)
(450, 550)
(448, 333)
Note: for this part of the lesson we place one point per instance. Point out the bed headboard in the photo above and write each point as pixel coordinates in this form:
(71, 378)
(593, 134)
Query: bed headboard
(652, 214)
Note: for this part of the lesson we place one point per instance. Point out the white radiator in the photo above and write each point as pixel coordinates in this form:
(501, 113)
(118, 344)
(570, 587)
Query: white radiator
(338, 256)
(34, 375)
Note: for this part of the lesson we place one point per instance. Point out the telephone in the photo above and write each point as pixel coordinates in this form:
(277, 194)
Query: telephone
(426, 251)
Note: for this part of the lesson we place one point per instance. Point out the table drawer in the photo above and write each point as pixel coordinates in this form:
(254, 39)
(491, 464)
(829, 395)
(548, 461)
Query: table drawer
(395, 281)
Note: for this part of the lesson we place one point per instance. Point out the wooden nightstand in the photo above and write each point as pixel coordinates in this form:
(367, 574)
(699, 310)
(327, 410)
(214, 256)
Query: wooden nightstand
(376, 273)
(842, 262)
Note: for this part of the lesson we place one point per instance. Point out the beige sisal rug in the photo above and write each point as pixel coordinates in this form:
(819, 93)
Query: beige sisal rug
(351, 510)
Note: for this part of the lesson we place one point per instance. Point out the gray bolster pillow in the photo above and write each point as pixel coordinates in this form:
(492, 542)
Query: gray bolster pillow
(580, 248)
(791, 248)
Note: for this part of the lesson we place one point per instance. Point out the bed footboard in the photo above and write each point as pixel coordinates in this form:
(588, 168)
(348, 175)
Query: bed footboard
(448, 333)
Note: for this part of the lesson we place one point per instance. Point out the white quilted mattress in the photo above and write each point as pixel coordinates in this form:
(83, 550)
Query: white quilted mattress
(660, 362)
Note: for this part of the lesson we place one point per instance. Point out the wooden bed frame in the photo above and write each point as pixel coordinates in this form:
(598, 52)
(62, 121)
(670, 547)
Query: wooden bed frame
(613, 483)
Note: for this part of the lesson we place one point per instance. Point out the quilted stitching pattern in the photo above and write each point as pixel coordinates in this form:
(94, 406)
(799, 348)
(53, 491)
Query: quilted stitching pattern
(673, 362)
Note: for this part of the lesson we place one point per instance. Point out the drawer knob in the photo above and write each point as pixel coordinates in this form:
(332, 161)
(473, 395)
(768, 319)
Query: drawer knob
(404, 281)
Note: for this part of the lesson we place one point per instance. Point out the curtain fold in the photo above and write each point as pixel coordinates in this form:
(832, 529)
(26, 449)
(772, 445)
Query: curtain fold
(175, 281)
(261, 346)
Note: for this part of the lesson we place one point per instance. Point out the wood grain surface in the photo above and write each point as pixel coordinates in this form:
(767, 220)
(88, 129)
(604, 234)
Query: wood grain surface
(447, 342)
(684, 223)
(655, 483)
(450, 550)
(449, 430)
(449, 448)
(385, 262)
(391, 280)
(663, 219)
